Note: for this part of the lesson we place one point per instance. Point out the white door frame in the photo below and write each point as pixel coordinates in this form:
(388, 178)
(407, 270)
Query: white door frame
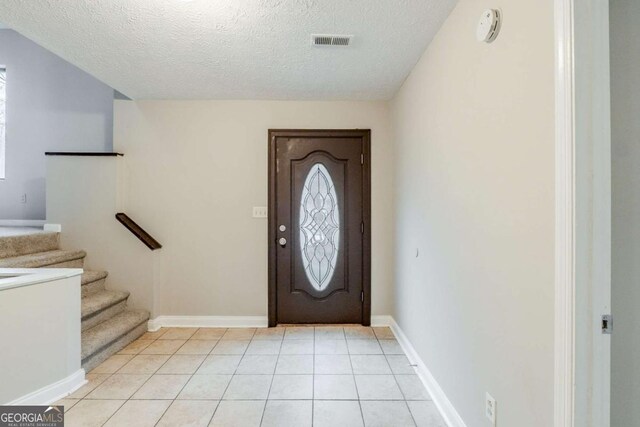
(583, 213)
(564, 242)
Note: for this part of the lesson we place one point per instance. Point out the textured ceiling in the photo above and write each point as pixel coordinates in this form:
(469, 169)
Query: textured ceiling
(234, 49)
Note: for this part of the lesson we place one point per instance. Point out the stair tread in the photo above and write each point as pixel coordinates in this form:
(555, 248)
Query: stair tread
(90, 276)
(100, 300)
(23, 244)
(103, 334)
(41, 259)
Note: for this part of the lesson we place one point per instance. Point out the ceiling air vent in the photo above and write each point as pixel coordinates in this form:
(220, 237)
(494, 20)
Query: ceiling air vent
(330, 40)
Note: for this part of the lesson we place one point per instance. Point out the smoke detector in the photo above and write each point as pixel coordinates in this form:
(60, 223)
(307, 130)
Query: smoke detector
(489, 25)
(330, 40)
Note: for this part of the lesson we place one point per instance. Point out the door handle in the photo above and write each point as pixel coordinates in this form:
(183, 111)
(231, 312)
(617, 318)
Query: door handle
(282, 241)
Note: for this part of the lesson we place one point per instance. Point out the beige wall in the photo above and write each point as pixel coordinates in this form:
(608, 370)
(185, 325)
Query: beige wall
(474, 136)
(195, 169)
(83, 196)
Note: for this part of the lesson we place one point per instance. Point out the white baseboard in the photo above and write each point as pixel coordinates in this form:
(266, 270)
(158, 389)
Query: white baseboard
(382, 320)
(22, 222)
(444, 405)
(53, 392)
(231, 321)
(208, 322)
(55, 228)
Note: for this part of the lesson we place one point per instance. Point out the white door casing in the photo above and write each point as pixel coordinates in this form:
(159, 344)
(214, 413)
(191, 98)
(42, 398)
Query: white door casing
(583, 213)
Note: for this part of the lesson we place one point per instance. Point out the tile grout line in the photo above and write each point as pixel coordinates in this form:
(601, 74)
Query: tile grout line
(148, 379)
(112, 374)
(190, 377)
(395, 380)
(264, 408)
(151, 376)
(232, 375)
(115, 412)
(126, 400)
(355, 384)
(386, 356)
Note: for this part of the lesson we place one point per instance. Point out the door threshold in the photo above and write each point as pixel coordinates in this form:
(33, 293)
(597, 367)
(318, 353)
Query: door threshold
(311, 325)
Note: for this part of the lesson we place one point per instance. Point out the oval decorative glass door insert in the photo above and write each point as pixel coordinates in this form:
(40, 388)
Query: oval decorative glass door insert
(319, 227)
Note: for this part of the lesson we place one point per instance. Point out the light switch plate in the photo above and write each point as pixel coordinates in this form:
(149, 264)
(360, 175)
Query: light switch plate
(259, 211)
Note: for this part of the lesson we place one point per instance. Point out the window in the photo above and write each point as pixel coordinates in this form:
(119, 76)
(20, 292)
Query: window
(3, 115)
(319, 226)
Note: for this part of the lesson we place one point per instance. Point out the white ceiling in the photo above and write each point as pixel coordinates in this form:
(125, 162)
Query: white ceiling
(235, 49)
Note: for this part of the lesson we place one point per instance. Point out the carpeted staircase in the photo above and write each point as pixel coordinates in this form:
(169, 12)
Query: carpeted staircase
(107, 324)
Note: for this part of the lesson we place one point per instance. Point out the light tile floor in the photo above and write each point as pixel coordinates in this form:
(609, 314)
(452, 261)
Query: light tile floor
(284, 377)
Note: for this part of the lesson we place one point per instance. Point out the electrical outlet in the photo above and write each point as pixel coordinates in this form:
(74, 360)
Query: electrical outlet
(23, 198)
(490, 408)
(259, 212)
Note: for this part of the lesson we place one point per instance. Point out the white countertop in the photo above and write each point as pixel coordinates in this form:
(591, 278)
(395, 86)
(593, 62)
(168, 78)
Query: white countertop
(17, 277)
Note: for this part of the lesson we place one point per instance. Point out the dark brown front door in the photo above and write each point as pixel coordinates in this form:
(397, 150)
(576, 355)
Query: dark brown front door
(319, 226)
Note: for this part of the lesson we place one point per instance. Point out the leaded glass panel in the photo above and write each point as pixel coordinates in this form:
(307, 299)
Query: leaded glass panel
(319, 226)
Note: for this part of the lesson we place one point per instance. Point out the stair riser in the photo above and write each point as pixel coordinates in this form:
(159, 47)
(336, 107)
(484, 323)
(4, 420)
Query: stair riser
(93, 360)
(28, 244)
(92, 288)
(76, 263)
(49, 259)
(105, 314)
